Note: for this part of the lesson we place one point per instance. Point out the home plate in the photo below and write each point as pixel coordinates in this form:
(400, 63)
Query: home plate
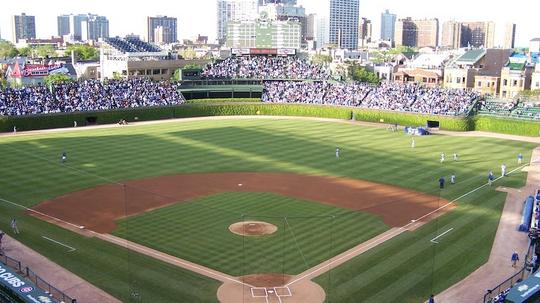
(81, 227)
(239, 184)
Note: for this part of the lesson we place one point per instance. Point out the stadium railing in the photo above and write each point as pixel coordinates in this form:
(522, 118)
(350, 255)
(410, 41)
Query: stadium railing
(514, 279)
(26, 272)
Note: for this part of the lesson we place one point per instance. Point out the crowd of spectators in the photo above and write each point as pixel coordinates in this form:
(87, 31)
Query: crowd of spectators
(261, 67)
(89, 95)
(386, 96)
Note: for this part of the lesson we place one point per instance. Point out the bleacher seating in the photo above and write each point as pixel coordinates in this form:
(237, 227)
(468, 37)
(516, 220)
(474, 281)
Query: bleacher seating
(132, 45)
(513, 109)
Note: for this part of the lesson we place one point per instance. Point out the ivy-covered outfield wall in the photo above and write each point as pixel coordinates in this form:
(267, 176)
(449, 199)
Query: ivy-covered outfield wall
(202, 108)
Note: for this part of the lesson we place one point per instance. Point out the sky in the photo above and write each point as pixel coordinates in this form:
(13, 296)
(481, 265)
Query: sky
(199, 17)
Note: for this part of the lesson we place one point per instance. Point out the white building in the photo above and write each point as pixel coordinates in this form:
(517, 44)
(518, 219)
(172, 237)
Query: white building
(233, 10)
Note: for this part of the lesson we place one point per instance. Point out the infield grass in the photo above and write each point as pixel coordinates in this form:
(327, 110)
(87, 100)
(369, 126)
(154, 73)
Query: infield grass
(404, 269)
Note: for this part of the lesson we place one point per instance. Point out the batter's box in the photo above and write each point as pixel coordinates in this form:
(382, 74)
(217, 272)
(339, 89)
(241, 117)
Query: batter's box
(259, 292)
(283, 291)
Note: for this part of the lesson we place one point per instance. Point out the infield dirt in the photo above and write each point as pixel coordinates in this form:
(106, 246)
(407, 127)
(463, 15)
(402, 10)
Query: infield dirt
(98, 208)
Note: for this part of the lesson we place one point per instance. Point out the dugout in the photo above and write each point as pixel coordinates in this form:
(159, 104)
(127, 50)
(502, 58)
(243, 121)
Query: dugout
(527, 291)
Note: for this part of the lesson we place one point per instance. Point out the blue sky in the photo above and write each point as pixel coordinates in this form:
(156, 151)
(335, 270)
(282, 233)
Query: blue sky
(199, 17)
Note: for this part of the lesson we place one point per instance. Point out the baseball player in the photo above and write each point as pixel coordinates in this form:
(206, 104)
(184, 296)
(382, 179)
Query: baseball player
(455, 156)
(441, 182)
(14, 226)
(63, 157)
(338, 151)
(413, 143)
(442, 157)
(491, 177)
(520, 158)
(1, 236)
(503, 170)
(453, 179)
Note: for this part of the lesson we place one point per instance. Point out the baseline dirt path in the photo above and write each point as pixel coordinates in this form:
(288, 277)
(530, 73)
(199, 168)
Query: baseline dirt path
(97, 208)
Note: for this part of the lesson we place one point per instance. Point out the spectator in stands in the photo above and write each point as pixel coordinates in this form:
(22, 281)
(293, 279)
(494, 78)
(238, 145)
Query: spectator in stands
(89, 95)
(263, 67)
(387, 96)
(431, 299)
(514, 258)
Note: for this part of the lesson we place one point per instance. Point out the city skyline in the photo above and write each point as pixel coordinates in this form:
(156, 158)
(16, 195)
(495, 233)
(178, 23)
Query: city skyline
(190, 22)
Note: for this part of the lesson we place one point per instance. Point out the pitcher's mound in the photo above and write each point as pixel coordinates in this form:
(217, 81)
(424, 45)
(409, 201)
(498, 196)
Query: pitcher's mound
(253, 228)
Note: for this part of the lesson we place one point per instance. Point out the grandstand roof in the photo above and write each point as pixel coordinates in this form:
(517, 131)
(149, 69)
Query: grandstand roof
(472, 56)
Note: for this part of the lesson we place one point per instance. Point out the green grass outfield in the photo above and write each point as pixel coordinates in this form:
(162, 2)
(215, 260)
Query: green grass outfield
(397, 271)
(308, 232)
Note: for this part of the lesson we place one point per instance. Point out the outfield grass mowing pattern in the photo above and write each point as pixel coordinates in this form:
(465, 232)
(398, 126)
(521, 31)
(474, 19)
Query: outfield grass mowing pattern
(31, 172)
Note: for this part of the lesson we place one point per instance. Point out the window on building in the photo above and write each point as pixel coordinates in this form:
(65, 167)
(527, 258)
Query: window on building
(479, 83)
(155, 72)
(505, 82)
(514, 83)
(458, 80)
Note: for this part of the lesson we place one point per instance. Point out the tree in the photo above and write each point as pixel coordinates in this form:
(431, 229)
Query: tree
(26, 51)
(321, 59)
(363, 75)
(176, 75)
(41, 51)
(45, 51)
(7, 49)
(188, 53)
(192, 66)
(402, 49)
(57, 78)
(83, 51)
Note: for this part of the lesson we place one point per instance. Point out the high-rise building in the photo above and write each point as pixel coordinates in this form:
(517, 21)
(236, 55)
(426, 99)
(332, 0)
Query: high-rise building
(311, 26)
(168, 31)
(63, 25)
(510, 35)
(388, 24)
(417, 33)
(264, 33)
(364, 32)
(451, 35)
(478, 34)
(83, 27)
(468, 34)
(233, 10)
(344, 15)
(322, 31)
(24, 27)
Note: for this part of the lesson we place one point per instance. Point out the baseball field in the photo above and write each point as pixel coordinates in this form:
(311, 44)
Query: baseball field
(257, 203)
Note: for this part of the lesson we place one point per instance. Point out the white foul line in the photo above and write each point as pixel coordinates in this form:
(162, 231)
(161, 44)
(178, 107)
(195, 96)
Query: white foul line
(387, 237)
(60, 243)
(437, 237)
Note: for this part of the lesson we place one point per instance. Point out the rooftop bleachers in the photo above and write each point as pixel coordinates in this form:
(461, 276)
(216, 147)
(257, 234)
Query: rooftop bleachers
(131, 45)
